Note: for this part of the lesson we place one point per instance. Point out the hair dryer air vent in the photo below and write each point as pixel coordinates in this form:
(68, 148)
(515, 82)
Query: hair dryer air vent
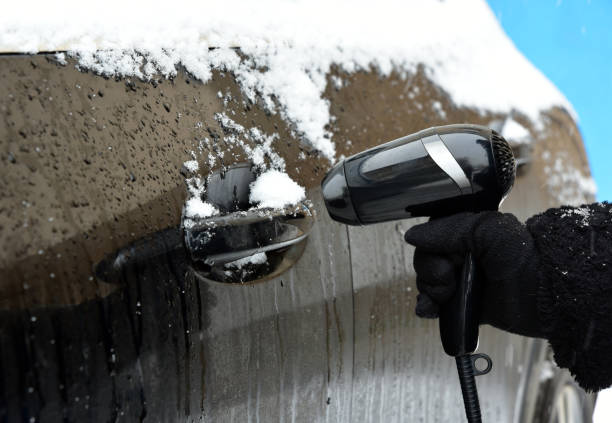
(505, 165)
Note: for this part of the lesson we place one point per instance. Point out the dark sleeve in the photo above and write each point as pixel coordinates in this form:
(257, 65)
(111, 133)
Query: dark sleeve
(575, 293)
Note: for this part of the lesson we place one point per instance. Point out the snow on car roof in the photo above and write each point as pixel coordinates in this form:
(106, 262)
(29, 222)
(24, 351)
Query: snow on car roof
(287, 48)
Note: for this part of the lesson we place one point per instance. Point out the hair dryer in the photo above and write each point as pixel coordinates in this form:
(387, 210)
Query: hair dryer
(435, 172)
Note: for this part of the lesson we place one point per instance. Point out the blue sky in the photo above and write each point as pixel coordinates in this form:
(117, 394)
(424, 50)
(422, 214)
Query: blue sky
(570, 41)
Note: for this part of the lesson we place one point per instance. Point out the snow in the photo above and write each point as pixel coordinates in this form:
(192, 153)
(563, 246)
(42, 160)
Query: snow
(275, 189)
(437, 106)
(237, 134)
(61, 59)
(196, 208)
(258, 258)
(289, 53)
(257, 145)
(228, 124)
(568, 184)
(581, 213)
(513, 131)
(603, 407)
(288, 49)
(191, 165)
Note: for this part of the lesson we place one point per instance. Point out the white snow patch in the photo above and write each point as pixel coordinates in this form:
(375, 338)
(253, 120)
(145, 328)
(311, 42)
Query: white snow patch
(191, 165)
(274, 189)
(61, 59)
(288, 48)
(582, 213)
(513, 131)
(228, 124)
(437, 106)
(258, 258)
(337, 81)
(245, 139)
(568, 184)
(211, 161)
(196, 208)
(603, 407)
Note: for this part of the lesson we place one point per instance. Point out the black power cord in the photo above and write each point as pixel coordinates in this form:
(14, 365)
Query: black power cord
(465, 368)
(467, 372)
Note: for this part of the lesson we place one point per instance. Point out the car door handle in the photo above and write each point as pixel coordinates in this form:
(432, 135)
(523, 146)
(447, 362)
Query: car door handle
(217, 240)
(229, 237)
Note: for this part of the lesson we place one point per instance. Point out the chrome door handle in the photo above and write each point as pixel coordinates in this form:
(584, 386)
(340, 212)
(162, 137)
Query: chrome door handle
(232, 236)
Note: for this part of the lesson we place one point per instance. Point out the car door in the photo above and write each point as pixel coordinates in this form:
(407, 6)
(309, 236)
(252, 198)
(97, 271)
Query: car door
(108, 315)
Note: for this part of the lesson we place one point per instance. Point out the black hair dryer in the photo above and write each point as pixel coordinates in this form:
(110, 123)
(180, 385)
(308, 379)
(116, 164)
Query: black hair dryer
(436, 172)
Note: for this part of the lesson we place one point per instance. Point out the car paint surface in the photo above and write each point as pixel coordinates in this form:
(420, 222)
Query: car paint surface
(91, 165)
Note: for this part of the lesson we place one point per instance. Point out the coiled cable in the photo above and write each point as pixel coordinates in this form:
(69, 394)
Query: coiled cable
(465, 369)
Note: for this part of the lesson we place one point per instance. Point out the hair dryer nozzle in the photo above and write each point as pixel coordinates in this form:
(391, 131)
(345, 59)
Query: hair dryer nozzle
(435, 172)
(337, 196)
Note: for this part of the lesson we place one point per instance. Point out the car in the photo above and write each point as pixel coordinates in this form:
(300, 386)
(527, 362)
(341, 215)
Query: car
(115, 305)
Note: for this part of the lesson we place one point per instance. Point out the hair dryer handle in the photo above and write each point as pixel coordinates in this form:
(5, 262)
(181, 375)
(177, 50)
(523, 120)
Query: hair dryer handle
(459, 318)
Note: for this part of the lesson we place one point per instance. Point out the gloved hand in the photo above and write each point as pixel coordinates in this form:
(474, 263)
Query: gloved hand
(507, 264)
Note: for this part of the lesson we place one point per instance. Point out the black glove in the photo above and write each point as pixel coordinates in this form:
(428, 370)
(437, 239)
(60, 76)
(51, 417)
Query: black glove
(507, 264)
